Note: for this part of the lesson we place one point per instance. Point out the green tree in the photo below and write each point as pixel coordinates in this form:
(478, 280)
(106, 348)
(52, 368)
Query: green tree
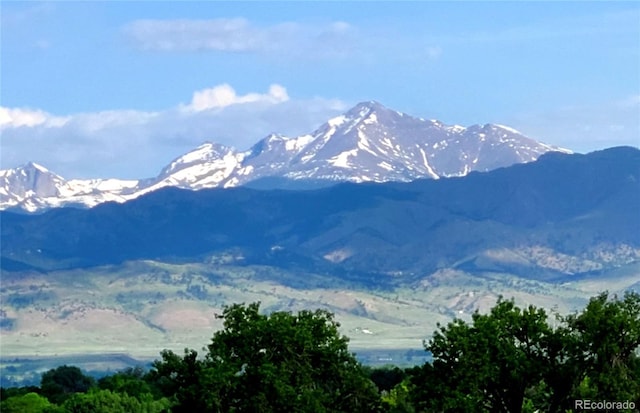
(511, 360)
(606, 337)
(485, 366)
(386, 377)
(398, 399)
(130, 381)
(60, 383)
(185, 381)
(6, 392)
(106, 401)
(270, 363)
(26, 403)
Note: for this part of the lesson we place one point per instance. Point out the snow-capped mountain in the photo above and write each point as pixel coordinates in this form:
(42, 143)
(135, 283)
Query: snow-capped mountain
(368, 143)
(33, 187)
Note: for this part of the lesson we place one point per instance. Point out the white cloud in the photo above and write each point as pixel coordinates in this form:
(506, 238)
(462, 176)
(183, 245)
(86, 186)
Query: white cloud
(229, 35)
(224, 95)
(137, 144)
(19, 117)
(433, 52)
(239, 35)
(585, 128)
(630, 102)
(19, 14)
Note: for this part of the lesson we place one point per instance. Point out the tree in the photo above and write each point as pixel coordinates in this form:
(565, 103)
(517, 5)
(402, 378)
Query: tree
(511, 360)
(60, 383)
(486, 366)
(398, 399)
(607, 340)
(270, 363)
(183, 380)
(386, 377)
(6, 392)
(26, 403)
(130, 381)
(105, 401)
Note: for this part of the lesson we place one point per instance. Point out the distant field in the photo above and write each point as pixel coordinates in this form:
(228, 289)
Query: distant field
(28, 371)
(116, 315)
(17, 371)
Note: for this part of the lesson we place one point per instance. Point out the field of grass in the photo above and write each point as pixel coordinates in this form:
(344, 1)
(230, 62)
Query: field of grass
(140, 308)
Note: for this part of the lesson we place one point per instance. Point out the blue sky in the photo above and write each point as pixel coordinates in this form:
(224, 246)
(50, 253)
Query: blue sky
(118, 89)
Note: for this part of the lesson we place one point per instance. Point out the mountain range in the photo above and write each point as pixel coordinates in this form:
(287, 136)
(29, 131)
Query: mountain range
(391, 244)
(369, 143)
(391, 260)
(560, 215)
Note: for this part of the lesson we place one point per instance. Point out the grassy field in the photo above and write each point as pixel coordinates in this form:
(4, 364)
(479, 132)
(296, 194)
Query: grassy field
(140, 308)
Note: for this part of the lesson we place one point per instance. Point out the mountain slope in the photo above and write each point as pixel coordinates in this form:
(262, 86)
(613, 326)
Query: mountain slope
(368, 143)
(33, 187)
(386, 145)
(391, 260)
(562, 215)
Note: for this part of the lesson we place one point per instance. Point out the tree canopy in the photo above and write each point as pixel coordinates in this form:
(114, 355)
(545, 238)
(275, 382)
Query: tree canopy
(271, 363)
(510, 359)
(513, 360)
(60, 383)
(26, 403)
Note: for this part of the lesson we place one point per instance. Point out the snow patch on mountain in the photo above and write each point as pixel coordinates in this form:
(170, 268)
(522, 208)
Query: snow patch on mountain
(342, 160)
(295, 144)
(367, 143)
(430, 170)
(508, 129)
(337, 121)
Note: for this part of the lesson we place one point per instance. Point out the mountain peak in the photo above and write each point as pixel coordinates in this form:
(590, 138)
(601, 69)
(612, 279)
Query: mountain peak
(367, 107)
(207, 152)
(357, 114)
(370, 104)
(35, 166)
(211, 147)
(369, 142)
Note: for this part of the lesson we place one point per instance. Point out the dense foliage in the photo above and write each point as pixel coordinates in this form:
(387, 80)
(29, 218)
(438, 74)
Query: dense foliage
(275, 363)
(508, 360)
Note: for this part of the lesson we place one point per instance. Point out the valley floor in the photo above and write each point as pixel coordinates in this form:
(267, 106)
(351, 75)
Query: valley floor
(140, 308)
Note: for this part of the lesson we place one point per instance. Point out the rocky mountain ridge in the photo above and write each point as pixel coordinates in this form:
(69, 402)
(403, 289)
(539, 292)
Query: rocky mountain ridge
(369, 143)
(561, 215)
